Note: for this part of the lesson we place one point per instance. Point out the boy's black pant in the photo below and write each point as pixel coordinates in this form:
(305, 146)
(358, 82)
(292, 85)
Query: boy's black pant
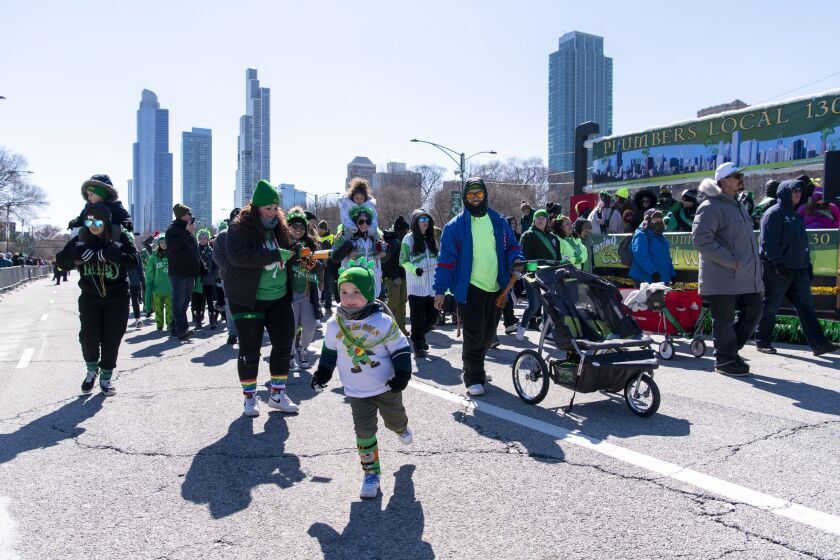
(479, 320)
(424, 317)
(103, 323)
(135, 300)
(278, 319)
(199, 299)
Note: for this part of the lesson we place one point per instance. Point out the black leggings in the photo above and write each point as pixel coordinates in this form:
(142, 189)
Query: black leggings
(199, 299)
(135, 301)
(103, 322)
(278, 319)
(424, 317)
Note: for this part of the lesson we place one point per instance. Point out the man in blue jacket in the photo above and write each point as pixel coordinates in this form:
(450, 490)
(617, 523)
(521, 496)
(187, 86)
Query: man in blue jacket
(786, 260)
(478, 253)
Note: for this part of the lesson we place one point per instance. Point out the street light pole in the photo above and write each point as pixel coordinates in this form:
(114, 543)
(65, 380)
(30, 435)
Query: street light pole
(461, 162)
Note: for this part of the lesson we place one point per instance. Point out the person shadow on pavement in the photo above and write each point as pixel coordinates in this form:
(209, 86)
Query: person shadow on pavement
(808, 397)
(50, 429)
(396, 532)
(224, 474)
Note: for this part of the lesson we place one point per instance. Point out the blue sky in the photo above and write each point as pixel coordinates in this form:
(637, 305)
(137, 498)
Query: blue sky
(363, 77)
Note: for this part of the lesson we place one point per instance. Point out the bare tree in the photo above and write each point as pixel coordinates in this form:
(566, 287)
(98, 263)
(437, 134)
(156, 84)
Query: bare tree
(431, 181)
(17, 195)
(513, 181)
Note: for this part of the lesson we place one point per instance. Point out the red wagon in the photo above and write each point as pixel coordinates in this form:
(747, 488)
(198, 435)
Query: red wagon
(679, 314)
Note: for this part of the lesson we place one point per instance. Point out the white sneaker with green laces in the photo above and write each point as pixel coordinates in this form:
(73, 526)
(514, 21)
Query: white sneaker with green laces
(370, 486)
(407, 436)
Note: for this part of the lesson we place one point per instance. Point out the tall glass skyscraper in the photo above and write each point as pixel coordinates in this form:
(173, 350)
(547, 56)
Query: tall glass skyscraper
(254, 143)
(579, 90)
(151, 186)
(197, 174)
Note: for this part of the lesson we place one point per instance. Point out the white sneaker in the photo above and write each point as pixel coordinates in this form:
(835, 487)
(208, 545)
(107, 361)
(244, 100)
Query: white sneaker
(280, 401)
(107, 388)
(407, 436)
(476, 390)
(370, 486)
(138, 324)
(520, 332)
(252, 407)
(303, 358)
(510, 329)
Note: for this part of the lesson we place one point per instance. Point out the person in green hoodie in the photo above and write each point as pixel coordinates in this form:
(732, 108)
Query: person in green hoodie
(158, 287)
(537, 243)
(571, 247)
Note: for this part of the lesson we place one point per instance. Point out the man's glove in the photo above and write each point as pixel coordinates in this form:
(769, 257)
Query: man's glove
(320, 380)
(418, 271)
(399, 382)
(656, 277)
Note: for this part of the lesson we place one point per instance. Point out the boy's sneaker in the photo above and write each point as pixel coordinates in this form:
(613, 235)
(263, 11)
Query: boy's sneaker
(90, 379)
(303, 358)
(510, 329)
(733, 368)
(476, 390)
(370, 486)
(407, 436)
(279, 400)
(252, 407)
(520, 332)
(107, 388)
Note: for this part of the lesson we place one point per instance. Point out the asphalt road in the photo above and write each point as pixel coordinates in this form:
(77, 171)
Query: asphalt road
(169, 468)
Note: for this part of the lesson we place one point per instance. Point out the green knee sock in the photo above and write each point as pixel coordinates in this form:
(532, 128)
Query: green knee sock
(369, 454)
(105, 375)
(92, 366)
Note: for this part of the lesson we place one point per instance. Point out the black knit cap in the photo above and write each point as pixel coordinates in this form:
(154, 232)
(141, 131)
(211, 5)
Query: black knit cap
(400, 224)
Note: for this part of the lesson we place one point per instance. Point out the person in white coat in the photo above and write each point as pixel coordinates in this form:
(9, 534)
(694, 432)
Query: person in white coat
(418, 256)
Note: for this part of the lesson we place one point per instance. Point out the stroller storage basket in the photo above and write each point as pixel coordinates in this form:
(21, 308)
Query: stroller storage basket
(610, 372)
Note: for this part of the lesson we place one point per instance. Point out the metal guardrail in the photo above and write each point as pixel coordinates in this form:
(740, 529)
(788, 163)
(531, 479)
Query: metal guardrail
(13, 276)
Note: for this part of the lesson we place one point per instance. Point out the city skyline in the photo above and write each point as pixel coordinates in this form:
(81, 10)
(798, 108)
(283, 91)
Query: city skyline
(253, 154)
(341, 98)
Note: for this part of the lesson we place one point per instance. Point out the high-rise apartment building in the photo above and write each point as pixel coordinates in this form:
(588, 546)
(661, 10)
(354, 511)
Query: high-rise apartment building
(151, 185)
(254, 143)
(580, 87)
(361, 167)
(396, 176)
(197, 174)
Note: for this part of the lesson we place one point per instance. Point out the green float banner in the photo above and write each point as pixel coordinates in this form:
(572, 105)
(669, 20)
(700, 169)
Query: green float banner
(793, 133)
(824, 251)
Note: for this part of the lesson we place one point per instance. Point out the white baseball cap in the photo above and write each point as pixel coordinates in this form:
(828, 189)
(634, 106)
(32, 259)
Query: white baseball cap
(724, 170)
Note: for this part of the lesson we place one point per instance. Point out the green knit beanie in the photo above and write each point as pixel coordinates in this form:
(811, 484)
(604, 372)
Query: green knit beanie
(96, 189)
(541, 212)
(264, 194)
(360, 277)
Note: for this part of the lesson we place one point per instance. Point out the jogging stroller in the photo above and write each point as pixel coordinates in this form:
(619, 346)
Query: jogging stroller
(600, 347)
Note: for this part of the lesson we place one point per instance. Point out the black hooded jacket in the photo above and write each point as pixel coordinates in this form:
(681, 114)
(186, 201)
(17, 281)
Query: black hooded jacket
(182, 251)
(783, 239)
(104, 277)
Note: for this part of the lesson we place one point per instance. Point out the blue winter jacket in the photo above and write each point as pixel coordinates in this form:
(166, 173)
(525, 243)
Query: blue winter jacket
(783, 239)
(454, 264)
(651, 253)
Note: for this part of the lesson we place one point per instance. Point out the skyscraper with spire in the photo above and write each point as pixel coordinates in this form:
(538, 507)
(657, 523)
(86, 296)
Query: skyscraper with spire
(254, 143)
(150, 200)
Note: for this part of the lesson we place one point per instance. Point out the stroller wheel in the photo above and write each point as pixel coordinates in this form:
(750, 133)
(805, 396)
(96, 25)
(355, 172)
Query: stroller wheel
(530, 376)
(666, 350)
(698, 348)
(642, 394)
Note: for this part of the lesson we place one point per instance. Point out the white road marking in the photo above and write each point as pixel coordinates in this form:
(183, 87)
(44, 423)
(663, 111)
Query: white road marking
(52, 301)
(25, 357)
(777, 506)
(44, 317)
(8, 531)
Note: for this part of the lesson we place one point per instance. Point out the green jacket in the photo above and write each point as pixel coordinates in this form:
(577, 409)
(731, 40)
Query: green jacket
(157, 277)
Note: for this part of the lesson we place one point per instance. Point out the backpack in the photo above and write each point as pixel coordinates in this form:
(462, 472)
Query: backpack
(625, 251)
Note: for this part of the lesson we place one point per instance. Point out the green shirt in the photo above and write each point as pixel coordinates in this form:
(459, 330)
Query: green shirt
(485, 266)
(300, 278)
(273, 278)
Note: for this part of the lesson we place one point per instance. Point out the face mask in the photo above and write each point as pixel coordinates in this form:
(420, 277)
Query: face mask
(657, 228)
(270, 223)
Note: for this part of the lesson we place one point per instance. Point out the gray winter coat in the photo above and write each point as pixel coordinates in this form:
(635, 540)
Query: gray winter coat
(723, 235)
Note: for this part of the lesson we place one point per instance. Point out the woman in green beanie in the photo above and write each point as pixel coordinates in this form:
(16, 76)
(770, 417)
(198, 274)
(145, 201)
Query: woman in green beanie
(537, 243)
(257, 285)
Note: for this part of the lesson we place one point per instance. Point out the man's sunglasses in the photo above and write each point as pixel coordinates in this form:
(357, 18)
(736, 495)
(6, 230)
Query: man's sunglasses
(423, 219)
(360, 222)
(97, 223)
(475, 195)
